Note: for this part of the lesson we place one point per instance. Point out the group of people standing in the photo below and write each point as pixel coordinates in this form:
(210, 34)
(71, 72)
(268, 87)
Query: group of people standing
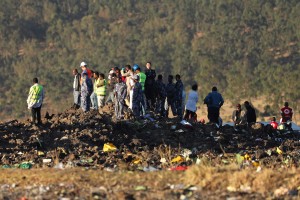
(129, 86)
(141, 92)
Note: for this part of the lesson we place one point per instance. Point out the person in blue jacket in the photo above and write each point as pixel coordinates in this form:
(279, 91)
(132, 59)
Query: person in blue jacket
(214, 102)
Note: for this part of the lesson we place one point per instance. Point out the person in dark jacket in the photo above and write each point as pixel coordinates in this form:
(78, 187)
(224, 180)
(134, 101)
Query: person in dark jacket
(214, 102)
(149, 86)
(171, 96)
(250, 114)
(161, 95)
(178, 97)
(86, 91)
(76, 89)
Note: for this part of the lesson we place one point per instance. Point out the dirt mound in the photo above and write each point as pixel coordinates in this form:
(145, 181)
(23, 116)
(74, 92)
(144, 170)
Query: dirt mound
(73, 138)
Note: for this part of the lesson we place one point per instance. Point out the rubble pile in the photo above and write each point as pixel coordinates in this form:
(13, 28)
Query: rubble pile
(76, 139)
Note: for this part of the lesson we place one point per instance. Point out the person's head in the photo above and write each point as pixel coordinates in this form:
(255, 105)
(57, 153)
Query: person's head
(170, 78)
(75, 71)
(96, 75)
(247, 104)
(117, 71)
(286, 104)
(195, 87)
(84, 74)
(159, 77)
(177, 77)
(128, 67)
(214, 89)
(273, 119)
(101, 76)
(35, 80)
(148, 65)
(83, 65)
(238, 106)
(113, 75)
(135, 66)
(138, 70)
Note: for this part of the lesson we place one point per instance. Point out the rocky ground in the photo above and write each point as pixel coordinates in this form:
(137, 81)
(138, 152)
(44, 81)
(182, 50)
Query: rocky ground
(73, 140)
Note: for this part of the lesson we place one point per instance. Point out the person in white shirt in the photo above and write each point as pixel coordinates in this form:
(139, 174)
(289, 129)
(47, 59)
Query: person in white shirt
(191, 104)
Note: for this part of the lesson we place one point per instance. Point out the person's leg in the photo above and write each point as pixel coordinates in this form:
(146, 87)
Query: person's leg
(215, 115)
(33, 115)
(186, 116)
(38, 114)
(179, 108)
(173, 108)
(121, 108)
(88, 103)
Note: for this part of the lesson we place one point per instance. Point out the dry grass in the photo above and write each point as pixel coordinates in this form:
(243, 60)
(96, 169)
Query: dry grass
(226, 178)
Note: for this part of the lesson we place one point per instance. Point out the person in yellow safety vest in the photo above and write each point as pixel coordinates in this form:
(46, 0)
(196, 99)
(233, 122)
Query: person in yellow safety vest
(100, 90)
(142, 80)
(35, 101)
(94, 101)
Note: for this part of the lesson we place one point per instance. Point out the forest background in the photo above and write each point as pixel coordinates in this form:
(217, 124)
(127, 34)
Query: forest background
(248, 48)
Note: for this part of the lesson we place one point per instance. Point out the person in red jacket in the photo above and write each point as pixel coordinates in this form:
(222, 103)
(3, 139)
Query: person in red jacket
(273, 123)
(286, 113)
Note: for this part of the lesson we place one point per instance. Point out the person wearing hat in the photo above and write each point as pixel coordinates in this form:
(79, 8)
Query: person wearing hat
(237, 115)
(137, 96)
(83, 66)
(214, 102)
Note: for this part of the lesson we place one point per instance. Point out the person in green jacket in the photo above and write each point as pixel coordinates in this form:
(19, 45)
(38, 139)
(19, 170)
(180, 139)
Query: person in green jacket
(35, 101)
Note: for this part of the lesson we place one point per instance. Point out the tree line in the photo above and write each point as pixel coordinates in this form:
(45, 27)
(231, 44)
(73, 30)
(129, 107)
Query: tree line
(246, 48)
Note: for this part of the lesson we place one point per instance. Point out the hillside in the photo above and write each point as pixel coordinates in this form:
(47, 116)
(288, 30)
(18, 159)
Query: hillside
(246, 48)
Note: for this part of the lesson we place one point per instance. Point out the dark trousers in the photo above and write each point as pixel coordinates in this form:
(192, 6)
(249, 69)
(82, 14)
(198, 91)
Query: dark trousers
(189, 115)
(150, 96)
(36, 114)
(213, 114)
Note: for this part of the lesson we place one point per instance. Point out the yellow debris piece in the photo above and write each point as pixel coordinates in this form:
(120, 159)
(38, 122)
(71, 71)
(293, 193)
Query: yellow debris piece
(40, 153)
(279, 151)
(137, 161)
(247, 157)
(255, 163)
(109, 147)
(177, 159)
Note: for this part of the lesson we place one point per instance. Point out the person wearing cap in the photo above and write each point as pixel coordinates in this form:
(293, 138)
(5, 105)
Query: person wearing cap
(149, 85)
(35, 100)
(76, 89)
(214, 102)
(250, 114)
(120, 91)
(286, 113)
(83, 66)
(86, 91)
(237, 115)
(137, 96)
